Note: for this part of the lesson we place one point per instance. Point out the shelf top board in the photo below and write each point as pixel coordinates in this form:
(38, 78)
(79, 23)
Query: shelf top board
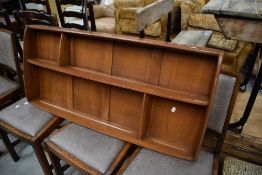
(129, 39)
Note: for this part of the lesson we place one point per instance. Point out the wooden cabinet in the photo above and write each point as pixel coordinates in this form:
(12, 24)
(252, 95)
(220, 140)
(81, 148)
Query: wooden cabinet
(151, 93)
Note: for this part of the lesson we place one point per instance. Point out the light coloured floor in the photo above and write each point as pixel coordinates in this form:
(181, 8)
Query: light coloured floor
(26, 165)
(253, 126)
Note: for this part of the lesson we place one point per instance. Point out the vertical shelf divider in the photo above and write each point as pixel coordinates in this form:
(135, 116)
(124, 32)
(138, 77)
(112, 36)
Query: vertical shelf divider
(106, 91)
(144, 116)
(64, 50)
(70, 94)
(105, 109)
(64, 60)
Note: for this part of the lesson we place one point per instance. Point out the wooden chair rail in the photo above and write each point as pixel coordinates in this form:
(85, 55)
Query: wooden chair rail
(149, 93)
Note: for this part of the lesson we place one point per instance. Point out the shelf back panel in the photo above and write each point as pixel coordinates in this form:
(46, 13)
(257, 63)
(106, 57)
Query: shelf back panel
(91, 54)
(45, 45)
(125, 108)
(184, 72)
(88, 96)
(136, 62)
(55, 87)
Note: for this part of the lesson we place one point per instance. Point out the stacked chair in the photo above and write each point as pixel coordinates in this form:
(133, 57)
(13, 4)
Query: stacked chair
(20, 119)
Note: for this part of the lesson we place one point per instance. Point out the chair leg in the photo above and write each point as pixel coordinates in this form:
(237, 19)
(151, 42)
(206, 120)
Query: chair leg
(40, 153)
(9, 146)
(56, 163)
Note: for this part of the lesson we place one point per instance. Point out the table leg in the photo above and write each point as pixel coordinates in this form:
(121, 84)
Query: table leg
(251, 101)
(253, 58)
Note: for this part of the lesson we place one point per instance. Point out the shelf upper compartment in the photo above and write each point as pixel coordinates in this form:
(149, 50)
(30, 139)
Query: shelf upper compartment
(123, 82)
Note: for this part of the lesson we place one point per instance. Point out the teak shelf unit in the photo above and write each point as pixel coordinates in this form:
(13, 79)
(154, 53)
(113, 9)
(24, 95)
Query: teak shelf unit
(151, 93)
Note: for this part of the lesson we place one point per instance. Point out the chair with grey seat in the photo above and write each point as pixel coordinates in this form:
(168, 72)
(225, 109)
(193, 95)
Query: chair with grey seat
(28, 123)
(147, 162)
(87, 150)
(21, 118)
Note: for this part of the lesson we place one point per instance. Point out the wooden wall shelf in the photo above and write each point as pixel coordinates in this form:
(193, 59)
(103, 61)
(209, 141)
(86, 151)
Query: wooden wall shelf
(151, 93)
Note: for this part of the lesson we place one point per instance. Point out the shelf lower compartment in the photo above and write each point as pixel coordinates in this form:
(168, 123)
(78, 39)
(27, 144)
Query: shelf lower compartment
(84, 119)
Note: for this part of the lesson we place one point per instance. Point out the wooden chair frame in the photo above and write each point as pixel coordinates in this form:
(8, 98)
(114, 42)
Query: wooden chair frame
(56, 154)
(213, 140)
(6, 128)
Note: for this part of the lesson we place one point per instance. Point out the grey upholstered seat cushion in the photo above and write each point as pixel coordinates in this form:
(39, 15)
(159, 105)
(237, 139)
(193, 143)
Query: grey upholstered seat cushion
(6, 85)
(221, 103)
(25, 117)
(92, 148)
(148, 162)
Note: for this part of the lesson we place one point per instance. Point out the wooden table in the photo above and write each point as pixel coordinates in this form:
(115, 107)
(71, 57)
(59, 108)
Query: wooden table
(241, 20)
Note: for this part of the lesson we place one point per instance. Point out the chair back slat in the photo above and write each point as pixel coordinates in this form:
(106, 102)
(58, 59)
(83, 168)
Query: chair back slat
(72, 2)
(68, 13)
(25, 18)
(76, 15)
(73, 25)
(36, 5)
(72, 14)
